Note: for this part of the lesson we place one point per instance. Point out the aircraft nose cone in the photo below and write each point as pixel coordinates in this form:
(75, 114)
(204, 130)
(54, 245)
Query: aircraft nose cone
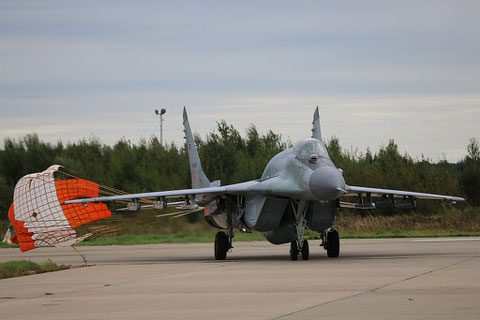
(327, 183)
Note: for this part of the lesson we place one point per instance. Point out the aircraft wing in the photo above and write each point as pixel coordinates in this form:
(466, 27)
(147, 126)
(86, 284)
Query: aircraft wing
(262, 187)
(269, 186)
(231, 189)
(375, 192)
(159, 194)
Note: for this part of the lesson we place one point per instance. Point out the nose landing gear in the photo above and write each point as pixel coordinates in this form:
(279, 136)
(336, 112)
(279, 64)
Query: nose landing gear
(295, 251)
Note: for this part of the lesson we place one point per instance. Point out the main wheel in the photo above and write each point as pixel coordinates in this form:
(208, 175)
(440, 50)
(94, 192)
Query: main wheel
(333, 244)
(293, 251)
(305, 250)
(221, 245)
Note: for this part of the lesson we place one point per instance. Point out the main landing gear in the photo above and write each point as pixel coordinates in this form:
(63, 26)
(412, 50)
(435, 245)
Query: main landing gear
(223, 241)
(222, 245)
(331, 243)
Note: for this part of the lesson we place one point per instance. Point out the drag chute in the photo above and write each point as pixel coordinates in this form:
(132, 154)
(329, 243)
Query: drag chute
(39, 216)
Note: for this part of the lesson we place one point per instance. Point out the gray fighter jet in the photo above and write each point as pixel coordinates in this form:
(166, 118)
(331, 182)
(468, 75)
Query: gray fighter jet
(300, 188)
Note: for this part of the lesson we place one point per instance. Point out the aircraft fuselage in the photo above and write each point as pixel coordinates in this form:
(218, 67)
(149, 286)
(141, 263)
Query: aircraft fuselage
(303, 173)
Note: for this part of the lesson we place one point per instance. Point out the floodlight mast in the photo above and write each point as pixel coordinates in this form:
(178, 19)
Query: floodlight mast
(160, 114)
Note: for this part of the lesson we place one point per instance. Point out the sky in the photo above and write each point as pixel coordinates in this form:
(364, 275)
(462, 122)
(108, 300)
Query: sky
(378, 70)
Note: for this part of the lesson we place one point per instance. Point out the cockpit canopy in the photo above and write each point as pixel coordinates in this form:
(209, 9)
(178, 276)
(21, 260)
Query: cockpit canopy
(308, 148)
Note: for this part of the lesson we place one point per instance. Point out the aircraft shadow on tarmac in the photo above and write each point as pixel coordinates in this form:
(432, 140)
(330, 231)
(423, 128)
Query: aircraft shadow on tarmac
(274, 257)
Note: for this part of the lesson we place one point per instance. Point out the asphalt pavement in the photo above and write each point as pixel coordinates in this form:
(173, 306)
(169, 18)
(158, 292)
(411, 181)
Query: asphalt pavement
(372, 279)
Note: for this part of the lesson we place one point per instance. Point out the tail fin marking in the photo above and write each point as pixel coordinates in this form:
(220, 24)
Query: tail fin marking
(199, 179)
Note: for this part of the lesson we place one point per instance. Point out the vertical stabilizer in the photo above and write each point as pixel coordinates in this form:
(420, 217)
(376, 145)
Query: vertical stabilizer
(199, 179)
(316, 132)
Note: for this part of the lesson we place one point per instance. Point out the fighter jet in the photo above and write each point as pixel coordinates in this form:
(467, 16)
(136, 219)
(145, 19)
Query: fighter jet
(299, 189)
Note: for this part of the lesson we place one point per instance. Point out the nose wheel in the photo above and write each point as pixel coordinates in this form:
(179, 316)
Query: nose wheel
(295, 251)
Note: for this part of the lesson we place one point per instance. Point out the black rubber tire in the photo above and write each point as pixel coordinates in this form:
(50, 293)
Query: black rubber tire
(221, 245)
(293, 251)
(333, 244)
(305, 250)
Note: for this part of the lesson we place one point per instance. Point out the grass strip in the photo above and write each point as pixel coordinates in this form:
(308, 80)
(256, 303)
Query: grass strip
(205, 237)
(8, 245)
(403, 234)
(181, 237)
(23, 267)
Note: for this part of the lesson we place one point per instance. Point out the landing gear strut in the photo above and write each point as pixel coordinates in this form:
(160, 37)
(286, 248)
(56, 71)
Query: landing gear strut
(223, 241)
(299, 245)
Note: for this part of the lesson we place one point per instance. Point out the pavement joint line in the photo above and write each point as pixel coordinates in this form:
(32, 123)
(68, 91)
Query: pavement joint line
(375, 289)
(95, 287)
(425, 273)
(126, 281)
(446, 240)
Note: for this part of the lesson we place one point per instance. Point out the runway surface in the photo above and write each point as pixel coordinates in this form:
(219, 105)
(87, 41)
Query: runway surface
(372, 279)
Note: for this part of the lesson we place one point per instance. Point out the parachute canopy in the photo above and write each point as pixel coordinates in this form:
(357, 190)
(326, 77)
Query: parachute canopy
(39, 217)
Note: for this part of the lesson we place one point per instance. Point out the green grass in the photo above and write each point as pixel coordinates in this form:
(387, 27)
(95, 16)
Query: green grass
(409, 234)
(23, 267)
(8, 245)
(181, 237)
(396, 234)
(205, 237)
(448, 222)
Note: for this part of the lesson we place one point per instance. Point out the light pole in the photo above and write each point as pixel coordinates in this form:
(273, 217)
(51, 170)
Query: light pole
(161, 113)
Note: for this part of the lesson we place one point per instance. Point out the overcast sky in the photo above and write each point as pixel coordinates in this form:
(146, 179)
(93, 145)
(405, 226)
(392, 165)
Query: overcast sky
(407, 70)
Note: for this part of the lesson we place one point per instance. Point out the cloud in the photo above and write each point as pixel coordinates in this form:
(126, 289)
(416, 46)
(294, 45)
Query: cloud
(378, 70)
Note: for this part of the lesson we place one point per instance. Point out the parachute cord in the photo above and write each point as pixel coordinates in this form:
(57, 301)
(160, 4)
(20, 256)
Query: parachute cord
(109, 191)
(140, 223)
(90, 189)
(113, 190)
(81, 255)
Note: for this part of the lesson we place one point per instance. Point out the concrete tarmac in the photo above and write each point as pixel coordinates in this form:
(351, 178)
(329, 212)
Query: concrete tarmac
(372, 279)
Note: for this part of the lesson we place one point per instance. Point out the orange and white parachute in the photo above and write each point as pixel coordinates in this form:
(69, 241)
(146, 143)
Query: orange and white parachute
(39, 216)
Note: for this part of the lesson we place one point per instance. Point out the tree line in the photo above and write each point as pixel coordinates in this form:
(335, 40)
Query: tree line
(230, 157)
